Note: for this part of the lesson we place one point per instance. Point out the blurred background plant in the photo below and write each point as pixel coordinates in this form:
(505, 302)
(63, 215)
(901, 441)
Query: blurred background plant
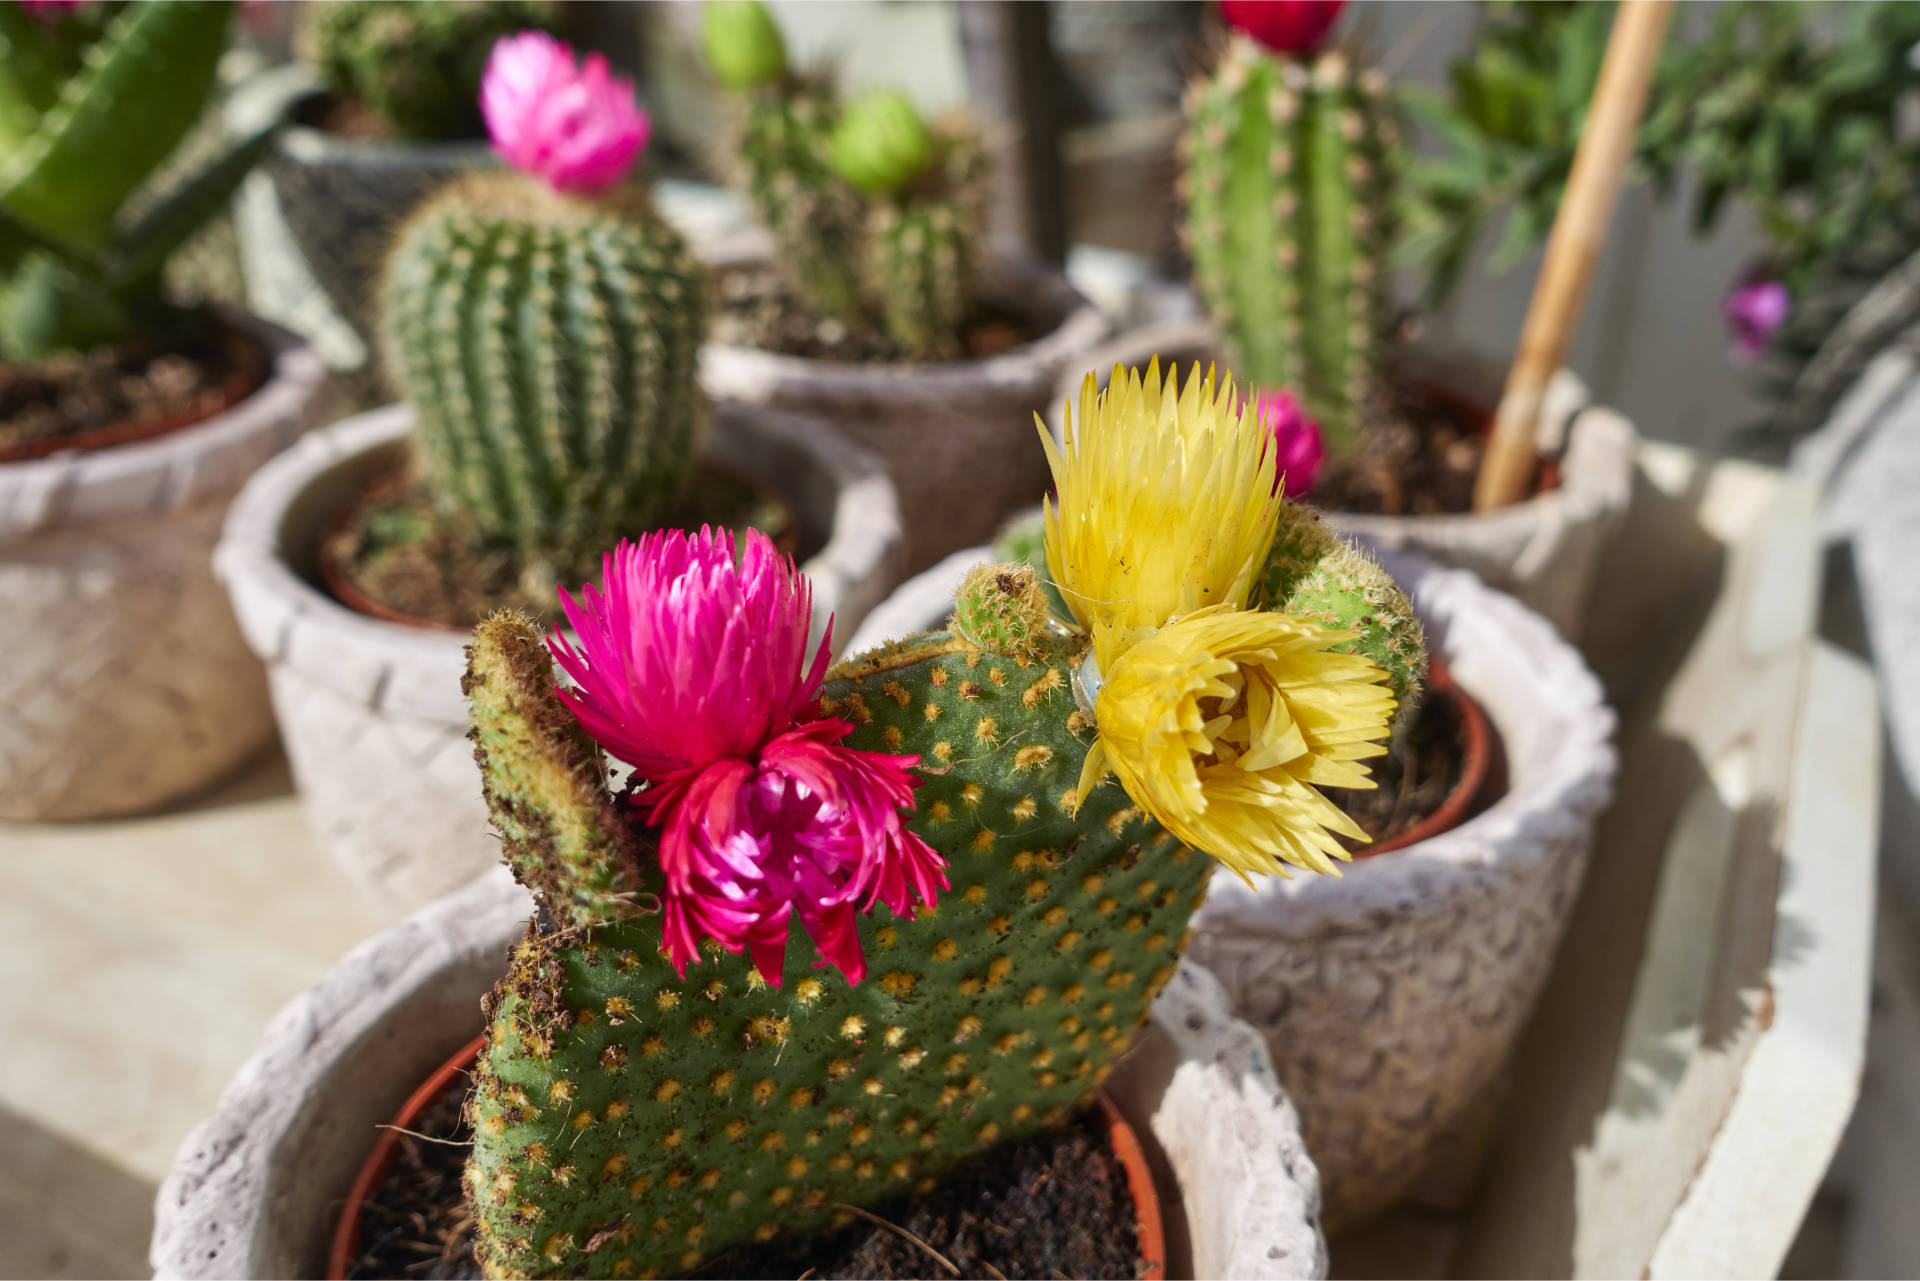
(1793, 109)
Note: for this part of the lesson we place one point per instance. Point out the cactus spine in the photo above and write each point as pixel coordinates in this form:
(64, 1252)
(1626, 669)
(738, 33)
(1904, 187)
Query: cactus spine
(1290, 184)
(549, 345)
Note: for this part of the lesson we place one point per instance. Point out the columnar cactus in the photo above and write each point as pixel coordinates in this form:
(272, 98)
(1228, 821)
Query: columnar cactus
(90, 105)
(1290, 183)
(877, 217)
(666, 1076)
(415, 66)
(547, 333)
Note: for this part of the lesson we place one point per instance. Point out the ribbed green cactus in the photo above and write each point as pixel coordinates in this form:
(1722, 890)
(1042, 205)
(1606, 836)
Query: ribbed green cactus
(416, 66)
(90, 105)
(549, 345)
(631, 1123)
(1290, 184)
(877, 218)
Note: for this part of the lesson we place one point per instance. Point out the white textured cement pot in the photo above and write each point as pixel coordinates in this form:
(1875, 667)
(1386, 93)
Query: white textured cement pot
(1391, 996)
(124, 681)
(958, 437)
(1545, 550)
(371, 712)
(317, 217)
(257, 1186)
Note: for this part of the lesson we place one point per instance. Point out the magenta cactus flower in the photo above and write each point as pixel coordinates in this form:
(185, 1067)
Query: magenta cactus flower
(1284, 26)
(46, 10)
(1299, 447)
(693, 668)
(576, 126)
(1753, 311)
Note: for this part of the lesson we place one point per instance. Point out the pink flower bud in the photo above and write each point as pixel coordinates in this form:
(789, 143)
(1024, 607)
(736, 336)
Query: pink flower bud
(577, 127)
(1298, 447)
(1284, 26)
(1753, 311)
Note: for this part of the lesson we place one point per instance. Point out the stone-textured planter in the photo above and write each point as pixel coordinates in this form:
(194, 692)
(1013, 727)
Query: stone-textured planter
(125, 681)
(1545, 550)
(256, 1187)
(1390, 996)
(371, 712)
(316, 219)
(957, 437)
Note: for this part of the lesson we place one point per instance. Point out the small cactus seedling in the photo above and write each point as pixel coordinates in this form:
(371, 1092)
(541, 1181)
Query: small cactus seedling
(878, 217)
(90, 105)
(937, 823)
(547, 330)
(1290, 183)
(416, 66)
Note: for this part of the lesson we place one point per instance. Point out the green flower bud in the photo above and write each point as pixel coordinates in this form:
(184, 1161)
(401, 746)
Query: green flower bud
(881, 143)
(742, 44)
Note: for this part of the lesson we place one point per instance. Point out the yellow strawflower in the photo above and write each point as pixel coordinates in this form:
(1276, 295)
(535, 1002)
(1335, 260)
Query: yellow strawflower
(1221, 722)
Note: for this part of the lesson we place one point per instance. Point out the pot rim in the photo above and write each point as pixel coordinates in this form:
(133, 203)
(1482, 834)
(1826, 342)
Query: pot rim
(1477, 736)
(267, 94)
(169, 471)
(1023, 283)
(381, 664)
(1595, 469)
(344, 1244)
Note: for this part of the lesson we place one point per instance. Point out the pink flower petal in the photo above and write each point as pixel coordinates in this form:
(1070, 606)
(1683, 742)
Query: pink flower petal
(577, 127)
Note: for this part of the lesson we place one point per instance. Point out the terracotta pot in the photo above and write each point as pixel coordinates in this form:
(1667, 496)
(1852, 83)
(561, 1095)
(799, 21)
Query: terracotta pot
(346, 1236)
(371, 712)
(1390, 996)
(958, 438)
(256, 1186)
(1546, 550)
(126, 682)
(1477, 748)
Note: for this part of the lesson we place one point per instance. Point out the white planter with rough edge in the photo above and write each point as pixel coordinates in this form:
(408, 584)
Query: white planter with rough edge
(1545, 550)
(371, 712)
(257, 1186)
(957, 437)
(1390, 996)
(125, 681)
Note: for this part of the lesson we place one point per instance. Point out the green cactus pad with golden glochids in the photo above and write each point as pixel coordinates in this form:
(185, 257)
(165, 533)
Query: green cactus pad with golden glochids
(631, 1122)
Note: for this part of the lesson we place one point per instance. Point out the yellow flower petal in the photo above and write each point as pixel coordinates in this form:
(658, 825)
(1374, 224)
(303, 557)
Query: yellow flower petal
(1225, 724)
(1167, 503)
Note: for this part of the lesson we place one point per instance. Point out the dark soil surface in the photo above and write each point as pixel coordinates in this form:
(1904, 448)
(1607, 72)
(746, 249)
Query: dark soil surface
(1056, 1205)
(758, 309)
(345, 116)
(1418, 773)
(1419, 453)
(403, 555)
(125, 391)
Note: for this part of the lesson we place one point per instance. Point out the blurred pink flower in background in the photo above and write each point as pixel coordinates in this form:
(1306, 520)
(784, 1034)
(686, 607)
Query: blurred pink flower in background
(578, 127)
(1753, 311)
(1284, 26)
(44, 9)
(694, 669)
(1298, 447)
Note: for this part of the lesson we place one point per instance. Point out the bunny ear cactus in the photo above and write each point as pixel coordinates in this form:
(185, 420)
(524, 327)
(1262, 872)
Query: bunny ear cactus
(926, 219)
(1291, 173)
(546, 324)
(90, 105)
(848, 929)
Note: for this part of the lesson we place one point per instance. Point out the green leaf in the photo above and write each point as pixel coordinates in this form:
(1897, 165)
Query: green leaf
(47, 305)
(144, 85)
(138, 253)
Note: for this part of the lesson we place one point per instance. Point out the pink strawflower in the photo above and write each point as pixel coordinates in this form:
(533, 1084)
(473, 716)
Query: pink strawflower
(694, 669)
(1297, 442)
(577, 127)
(1284, 26)
(1753, 311)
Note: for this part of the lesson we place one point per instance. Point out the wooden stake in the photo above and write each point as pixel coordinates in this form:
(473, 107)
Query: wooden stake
(1579, 233)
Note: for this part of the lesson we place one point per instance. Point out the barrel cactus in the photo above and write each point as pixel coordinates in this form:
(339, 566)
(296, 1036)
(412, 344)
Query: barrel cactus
(877, 216)
(91, 103)
(847, 929)
(1291, 172)
(546, 330)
